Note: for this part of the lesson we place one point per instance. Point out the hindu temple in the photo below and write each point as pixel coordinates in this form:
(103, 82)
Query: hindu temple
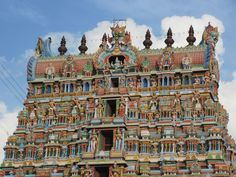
(122, 111)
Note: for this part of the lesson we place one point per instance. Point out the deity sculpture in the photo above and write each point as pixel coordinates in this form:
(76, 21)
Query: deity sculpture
(99, 109)
(52, 108)
(92, 141)
(79, 87)
(43, 47)
(177, 103)
(50, 71)
(122, 107)
(115, 171)
(80, 107)
(197, 106)
(118, 140)
(87, 171)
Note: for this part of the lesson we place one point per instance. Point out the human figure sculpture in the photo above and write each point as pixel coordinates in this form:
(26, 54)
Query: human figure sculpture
(92, 142)
(50, 72)
(56, 88)
(80, 107)
(177, 102)
(87, 171)
(115, 172)
(99, 108)
(79, 87)
(52, 108)
(118, 140)
(122, 106)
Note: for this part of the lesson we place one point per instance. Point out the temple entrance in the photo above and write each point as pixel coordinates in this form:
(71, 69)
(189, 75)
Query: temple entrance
(106, 138)
(101, 171)
(111, 108)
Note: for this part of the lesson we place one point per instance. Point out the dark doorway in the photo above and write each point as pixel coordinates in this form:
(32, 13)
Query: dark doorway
(115, 82)
(101, 172)
(111, 108)
(106, 140)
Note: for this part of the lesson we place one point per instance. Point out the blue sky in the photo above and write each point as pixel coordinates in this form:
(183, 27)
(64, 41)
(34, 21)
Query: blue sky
(23, 21)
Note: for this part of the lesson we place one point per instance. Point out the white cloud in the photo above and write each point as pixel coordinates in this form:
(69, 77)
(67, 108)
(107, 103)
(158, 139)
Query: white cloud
(180, 26)
(227, 96)
(8, 123)
(72, 41)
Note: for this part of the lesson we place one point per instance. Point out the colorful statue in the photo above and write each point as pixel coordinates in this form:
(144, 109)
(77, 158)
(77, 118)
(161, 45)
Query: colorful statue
(87, 171)
(99, 109)
(122, 107)
(210, 35)
(118, 140)
(50, 71)
(43, 48)
(115, 171)
(92, 141)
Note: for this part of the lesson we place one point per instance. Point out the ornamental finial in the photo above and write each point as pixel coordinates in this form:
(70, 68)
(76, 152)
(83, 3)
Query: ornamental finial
(169, 41)
(62, 49)
(83, 48)
(147, 42)
(191, 39)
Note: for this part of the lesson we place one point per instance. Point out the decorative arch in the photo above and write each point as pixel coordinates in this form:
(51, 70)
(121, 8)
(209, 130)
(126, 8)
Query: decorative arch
(129, 54)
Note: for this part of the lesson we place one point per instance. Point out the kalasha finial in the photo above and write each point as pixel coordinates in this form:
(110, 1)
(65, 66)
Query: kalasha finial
(83, 48)
(191, 39)
(62, 49)
(147, 42)
(104, 40)
(169, 41)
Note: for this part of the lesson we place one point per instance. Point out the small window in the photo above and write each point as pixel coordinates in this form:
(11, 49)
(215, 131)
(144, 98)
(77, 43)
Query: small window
(87, 87)
(115, 82)
(48, 89)
(165, 81)
(145, 83)
(71, 88)
(111, 108)
(186, 80)
(106, 140)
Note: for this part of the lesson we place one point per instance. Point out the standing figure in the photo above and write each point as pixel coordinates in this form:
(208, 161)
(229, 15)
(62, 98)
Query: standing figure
(118, 140)
(99, 109)
(115, 171)
(122, 107)
(92, 142)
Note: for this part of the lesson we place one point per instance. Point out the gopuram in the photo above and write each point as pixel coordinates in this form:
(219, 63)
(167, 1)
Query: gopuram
(122, 112)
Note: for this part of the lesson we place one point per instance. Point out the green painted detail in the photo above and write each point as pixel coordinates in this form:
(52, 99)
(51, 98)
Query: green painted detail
(88, 67)
(145, 62)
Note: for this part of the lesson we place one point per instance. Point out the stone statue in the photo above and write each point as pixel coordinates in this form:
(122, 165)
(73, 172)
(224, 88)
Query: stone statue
(52, 108)
(122, 106)
(80, 107)
(99, 109)
(50, 71)
(92, 141)
(43, 48)
(118, 140)
(115, 172)
(87, 171)
(56, 88)
(74, 169)
(79, 87)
